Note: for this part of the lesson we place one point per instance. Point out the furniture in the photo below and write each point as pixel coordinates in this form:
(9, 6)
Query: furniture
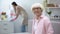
(53, 7)
(6, 27)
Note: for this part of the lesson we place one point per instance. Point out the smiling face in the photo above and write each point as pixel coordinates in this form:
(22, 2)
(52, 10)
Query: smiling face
(37, 11)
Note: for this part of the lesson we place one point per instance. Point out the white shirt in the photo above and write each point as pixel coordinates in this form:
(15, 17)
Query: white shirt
(35, 25)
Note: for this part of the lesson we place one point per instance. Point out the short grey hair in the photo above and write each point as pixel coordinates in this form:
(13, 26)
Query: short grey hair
(37, 5)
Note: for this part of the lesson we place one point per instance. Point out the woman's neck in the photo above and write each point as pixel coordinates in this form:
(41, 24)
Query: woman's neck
(38, 17)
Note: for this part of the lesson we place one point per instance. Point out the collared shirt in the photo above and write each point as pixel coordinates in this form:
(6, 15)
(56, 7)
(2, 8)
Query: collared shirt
(36, 22)
(42, 26)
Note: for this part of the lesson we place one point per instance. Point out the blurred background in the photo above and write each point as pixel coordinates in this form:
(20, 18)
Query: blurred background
(52, 10)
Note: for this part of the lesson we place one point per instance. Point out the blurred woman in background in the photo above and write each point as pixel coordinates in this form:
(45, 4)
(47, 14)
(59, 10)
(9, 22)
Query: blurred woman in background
(21, 11)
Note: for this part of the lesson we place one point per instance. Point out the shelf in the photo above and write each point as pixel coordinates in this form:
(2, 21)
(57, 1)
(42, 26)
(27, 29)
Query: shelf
(54, 7)
(54, 17)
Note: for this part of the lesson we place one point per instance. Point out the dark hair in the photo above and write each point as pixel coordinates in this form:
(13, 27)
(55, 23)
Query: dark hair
(14, 3)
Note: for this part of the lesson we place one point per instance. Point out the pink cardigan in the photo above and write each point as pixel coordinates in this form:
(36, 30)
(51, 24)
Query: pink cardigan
(44, 26)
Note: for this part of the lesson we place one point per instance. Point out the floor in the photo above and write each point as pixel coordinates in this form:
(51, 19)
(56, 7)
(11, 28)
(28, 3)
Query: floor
(21, 33)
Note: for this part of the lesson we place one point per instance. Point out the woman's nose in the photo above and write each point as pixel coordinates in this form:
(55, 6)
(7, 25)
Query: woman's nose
(35, 9)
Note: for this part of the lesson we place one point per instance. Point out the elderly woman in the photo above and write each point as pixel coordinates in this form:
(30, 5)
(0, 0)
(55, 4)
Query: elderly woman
(41, 24)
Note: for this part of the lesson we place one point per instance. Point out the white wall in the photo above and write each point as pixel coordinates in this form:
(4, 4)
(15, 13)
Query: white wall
(6, 5)
(54, 1)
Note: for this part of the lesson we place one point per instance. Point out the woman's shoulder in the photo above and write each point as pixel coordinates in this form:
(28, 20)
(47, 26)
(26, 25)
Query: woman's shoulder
(46, 18)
